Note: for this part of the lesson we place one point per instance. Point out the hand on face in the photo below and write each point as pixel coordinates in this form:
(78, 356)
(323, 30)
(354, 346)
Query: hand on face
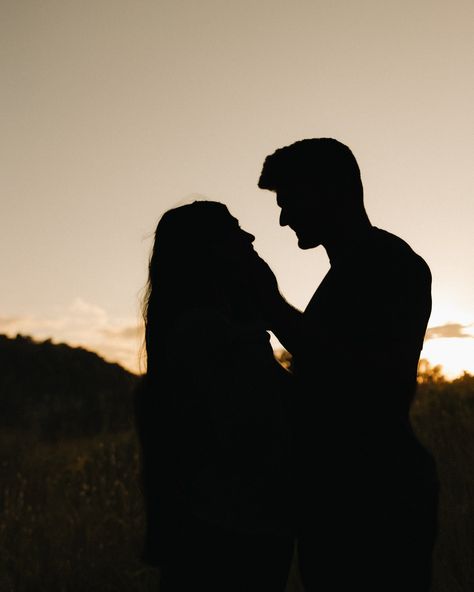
(247, 272)
(264, 283)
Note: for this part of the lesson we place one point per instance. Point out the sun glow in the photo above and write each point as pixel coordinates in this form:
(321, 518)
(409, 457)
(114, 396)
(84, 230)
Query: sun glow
(455, 355)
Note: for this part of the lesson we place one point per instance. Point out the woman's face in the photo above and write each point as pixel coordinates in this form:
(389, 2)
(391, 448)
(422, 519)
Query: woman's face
(236, 244)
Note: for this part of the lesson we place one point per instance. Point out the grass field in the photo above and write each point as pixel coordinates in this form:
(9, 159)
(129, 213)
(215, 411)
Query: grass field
(72, 518)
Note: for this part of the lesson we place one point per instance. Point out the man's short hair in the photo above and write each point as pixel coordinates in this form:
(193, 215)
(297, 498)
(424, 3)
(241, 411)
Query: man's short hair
(316, 161)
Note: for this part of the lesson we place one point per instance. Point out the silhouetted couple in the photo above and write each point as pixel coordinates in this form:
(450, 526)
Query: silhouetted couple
(240, 458)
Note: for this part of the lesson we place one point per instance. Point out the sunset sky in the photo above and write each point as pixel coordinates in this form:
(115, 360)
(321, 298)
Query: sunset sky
(113, 111)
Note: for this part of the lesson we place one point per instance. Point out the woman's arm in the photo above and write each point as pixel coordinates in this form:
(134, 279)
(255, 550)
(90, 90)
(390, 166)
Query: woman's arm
(239, 380)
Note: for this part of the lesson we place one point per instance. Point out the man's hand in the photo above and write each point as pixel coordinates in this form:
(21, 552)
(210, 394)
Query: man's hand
(281, 318)
(265, 285)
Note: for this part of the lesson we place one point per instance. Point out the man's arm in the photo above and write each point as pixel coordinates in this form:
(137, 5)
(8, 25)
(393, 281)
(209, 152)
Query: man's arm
(283, 319)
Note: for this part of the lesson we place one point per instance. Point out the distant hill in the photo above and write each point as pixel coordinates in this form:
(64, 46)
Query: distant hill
(61, 391)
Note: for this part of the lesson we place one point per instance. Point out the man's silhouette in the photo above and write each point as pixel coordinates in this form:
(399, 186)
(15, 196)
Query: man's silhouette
(366, 488)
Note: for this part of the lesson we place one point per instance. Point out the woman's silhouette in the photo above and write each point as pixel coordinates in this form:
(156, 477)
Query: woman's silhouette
(212, 413)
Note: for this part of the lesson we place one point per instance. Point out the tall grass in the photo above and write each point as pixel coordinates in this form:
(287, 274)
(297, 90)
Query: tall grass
(443, 417)
(72, 515)
(72, 518)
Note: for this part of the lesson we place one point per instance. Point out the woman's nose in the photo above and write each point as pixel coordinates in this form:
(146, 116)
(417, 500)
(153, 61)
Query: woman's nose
(250, 237)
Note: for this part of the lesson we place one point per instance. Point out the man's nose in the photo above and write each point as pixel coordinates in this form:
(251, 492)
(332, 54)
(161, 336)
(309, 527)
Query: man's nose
(283, 219)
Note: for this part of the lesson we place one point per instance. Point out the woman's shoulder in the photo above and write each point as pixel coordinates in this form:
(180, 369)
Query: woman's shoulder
(218, 334)
(201, 320)
(202, 327)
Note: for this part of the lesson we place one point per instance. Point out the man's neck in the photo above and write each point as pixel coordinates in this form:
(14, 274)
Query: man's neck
(346, 238)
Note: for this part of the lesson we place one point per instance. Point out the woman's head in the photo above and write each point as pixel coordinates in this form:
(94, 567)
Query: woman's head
(198, 251)
(198, 232)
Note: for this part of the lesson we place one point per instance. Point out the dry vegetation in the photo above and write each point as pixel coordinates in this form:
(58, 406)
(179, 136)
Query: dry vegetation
(72, 517)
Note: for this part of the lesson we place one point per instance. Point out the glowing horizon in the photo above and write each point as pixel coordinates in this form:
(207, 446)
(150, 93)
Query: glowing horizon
(120, 340)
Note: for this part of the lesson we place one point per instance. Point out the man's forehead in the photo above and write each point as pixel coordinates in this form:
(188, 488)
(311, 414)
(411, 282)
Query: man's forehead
(286, 194)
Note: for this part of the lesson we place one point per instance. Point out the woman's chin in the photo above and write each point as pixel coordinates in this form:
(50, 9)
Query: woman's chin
(307, 243)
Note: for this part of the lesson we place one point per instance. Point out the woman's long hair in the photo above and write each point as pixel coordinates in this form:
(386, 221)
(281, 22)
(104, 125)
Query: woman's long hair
(185, 271)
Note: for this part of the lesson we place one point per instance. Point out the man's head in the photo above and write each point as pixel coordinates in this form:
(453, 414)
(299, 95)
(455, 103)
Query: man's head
(317, 184)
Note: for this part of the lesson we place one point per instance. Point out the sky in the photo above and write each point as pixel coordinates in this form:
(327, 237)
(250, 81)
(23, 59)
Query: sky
(113, 111)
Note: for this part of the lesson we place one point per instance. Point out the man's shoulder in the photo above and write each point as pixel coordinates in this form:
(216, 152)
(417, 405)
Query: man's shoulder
(396, 252)
(390, 242)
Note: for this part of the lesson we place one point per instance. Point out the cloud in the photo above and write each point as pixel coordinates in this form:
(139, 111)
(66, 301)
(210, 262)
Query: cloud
(448, 330)
(84, 324)
(6, 322)
(132, 332)
(82, 309)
